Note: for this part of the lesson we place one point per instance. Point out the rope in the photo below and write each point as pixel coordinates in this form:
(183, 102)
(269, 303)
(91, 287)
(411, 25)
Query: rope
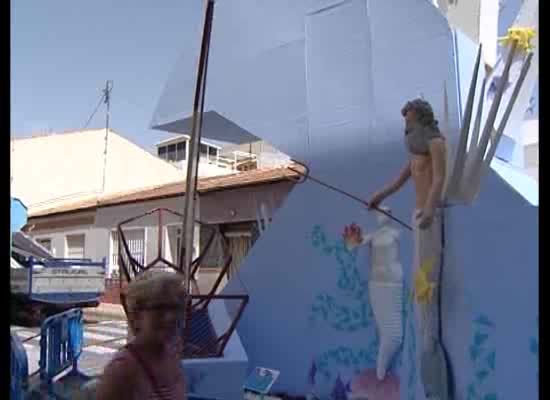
(441, 265)
(439, 301)
(307, 175)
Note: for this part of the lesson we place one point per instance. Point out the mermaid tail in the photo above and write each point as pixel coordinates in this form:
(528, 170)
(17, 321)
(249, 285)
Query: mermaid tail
(387, 303)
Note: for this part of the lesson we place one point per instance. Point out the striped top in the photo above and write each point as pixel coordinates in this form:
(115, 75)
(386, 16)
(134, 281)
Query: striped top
(167, 374)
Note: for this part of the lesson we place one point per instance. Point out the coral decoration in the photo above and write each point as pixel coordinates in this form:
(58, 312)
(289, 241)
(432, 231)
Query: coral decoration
(521, 37)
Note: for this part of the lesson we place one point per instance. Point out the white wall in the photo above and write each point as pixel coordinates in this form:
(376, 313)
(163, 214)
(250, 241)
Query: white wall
(478, 19)
(98, 235)
(79, 172)
(59, 243)
(205, 169)
(214, 208)
(108, 218)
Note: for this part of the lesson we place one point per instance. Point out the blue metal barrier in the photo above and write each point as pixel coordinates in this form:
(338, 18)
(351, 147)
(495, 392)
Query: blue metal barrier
(61, 342)
(19, 369)
(60, 347)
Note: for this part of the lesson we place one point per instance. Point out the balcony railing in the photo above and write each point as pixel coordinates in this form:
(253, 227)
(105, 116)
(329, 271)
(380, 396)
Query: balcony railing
(238, 161)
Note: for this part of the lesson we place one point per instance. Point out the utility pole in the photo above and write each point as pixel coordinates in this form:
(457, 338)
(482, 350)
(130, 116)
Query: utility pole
(186, 254)
(107, 102)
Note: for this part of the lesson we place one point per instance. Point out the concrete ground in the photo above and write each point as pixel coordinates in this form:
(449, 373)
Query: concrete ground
(105, 311)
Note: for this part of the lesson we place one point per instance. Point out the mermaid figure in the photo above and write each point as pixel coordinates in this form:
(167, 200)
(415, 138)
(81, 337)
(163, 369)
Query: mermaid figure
(385, 285)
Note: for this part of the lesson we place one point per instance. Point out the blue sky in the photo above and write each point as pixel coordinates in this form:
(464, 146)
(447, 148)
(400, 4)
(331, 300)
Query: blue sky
(62, 52)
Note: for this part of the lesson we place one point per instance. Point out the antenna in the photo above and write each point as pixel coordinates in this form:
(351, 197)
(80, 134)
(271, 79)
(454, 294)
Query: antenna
(107, 101)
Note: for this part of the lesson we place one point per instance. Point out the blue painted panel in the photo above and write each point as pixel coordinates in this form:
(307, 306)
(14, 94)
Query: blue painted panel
(485, 246)
(325, 81)
(505, 149)
(215, 378)
(356, 87)
(18, 215)
(518, 181)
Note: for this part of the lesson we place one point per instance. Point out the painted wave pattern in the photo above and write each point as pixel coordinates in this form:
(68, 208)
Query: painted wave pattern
(352, 315)
(483, 358)
(356, 314)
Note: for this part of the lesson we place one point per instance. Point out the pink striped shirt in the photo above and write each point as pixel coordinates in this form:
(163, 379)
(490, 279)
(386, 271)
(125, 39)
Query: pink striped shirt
(167, 373)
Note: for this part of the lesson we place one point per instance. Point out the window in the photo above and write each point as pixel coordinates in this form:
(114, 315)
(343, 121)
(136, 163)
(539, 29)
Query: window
(180, 151)
(135, 239)
(46, 243)
(171, 155)
(76, 246)
(212, 154)
(204, 149)
(162, 152)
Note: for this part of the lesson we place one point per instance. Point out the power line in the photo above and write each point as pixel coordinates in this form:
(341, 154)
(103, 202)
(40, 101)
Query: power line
(101, 100)
(107, 101)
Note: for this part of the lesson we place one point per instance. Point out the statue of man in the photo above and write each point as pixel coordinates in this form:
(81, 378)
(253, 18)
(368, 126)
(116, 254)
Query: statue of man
(427, 167)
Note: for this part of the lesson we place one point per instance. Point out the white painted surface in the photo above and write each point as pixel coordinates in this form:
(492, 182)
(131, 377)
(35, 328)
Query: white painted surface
(108, 329)
(25, 334)
(68, 280)
(79, 172)
(488, 29)
(96, 336)
(101, 350)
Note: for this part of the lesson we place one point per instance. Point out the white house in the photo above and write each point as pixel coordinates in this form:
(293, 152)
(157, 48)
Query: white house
(219, 158)
(82, 164)
(478, 19)
(87, 228)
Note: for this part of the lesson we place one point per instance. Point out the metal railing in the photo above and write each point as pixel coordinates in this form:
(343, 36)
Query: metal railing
(61, 338)
(236, 160)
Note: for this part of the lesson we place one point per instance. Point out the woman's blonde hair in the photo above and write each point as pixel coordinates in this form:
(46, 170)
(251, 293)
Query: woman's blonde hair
(150, 287)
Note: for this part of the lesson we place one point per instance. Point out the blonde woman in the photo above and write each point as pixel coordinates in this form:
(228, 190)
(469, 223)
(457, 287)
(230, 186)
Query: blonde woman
(148, 367)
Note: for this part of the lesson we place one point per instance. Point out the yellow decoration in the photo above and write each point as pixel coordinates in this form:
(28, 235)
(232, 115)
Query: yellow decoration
(423, 288)
(521, 36)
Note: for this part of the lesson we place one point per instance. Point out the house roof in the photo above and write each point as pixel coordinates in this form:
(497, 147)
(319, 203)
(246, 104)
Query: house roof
(71, 165)
(205, 185)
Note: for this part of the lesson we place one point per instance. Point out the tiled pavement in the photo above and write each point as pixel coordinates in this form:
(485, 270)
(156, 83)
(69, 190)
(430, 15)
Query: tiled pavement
(101, 341)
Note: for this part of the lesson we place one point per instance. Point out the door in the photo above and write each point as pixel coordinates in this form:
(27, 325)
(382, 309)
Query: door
(239, 245)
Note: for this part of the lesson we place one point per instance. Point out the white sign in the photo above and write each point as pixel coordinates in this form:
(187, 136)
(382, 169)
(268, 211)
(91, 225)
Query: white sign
(68, 280)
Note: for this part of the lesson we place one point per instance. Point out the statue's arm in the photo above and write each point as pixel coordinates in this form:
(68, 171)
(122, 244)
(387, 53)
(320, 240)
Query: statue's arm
(366, 238)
